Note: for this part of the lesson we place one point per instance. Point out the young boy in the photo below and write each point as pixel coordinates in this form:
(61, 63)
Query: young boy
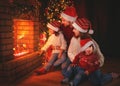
(59, 45)
(83, 64)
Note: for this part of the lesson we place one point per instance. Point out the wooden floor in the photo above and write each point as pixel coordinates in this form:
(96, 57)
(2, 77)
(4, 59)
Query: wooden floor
(54, 78)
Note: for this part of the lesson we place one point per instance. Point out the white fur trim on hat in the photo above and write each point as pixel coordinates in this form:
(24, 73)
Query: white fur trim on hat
(76, 26)
(52, 27)
(69, 18)
(87, 45)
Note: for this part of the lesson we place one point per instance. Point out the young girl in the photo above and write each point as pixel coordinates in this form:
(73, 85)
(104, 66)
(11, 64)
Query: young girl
(83, 64)
(59, 45)
(68, 16)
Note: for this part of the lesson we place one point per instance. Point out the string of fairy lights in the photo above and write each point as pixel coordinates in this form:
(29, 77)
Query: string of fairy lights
(55, 7)
(33, 8)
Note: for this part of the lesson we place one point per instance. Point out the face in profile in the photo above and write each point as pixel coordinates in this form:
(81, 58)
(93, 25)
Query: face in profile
(76, 33)
(65, 22)
(50, 31)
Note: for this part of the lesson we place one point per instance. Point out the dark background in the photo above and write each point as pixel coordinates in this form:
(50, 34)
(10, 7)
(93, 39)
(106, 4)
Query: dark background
(105, 18)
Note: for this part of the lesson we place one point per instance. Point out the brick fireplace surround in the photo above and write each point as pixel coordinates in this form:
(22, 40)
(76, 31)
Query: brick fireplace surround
(11, 68)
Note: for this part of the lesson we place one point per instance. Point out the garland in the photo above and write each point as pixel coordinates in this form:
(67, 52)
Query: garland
(25, 9)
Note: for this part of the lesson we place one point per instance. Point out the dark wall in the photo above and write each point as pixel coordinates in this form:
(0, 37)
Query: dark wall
(113, 43)
(105, 16)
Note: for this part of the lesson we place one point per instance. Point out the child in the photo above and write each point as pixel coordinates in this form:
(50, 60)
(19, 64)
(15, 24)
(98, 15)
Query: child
(68, 16)
(84, 63)
(96, 77)
(59, 45)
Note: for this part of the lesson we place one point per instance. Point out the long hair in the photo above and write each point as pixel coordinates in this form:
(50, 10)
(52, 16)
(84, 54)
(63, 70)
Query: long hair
(84, 35)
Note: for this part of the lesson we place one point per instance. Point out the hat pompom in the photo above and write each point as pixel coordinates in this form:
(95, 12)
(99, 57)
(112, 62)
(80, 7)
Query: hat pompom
(91, 31)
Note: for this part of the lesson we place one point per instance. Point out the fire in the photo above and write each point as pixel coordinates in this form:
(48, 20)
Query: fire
(23, 37)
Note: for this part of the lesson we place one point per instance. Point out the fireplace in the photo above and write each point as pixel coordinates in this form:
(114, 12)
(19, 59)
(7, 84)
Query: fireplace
(22, 50)
(23, 37)
(19, 45)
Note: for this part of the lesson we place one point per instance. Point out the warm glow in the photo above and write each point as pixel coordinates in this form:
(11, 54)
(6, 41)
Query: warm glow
(42, 39)
(23, 37)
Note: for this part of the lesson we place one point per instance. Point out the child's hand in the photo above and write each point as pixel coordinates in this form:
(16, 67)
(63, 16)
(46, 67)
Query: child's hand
(86, 72)
(73, 65)
(60, 54)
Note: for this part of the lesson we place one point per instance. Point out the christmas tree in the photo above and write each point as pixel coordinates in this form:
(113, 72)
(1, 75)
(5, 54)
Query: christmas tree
(53, 10)
(55, 7)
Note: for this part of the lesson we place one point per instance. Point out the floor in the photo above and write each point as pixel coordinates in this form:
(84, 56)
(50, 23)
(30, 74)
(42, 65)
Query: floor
(53, 78)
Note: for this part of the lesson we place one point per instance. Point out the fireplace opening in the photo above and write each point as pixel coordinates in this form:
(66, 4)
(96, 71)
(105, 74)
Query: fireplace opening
(23, 37)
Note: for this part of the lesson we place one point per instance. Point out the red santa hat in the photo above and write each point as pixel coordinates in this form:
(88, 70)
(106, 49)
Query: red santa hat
(83, 25)
(54, 25)
(69, 14)
(85, 43)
